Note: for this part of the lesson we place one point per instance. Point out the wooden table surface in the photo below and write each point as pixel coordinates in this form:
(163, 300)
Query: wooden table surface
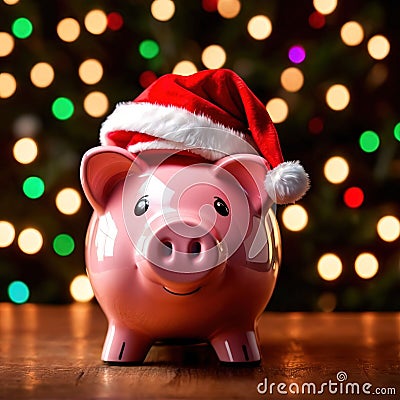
(53, 352)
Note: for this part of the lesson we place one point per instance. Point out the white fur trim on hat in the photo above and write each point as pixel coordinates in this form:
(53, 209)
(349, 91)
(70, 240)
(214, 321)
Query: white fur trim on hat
(287, 182)
(178, 126)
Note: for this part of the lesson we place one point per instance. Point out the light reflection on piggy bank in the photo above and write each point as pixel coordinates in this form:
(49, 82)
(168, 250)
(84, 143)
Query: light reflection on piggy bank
(179, 247)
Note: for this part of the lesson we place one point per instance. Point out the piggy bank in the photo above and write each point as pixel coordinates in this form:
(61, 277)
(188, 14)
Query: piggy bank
(180, 247)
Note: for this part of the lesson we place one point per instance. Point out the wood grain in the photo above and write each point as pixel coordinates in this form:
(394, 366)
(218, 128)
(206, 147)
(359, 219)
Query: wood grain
(53, 352)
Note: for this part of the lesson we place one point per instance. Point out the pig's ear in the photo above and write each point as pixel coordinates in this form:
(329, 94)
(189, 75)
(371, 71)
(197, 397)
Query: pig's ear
(286, 183)
(101, 169)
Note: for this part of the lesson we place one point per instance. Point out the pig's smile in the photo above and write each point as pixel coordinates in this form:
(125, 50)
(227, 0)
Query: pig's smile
(182, 294)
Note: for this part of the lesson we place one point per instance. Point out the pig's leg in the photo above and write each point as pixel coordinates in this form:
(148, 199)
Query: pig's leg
(122, 345)
(236, 346)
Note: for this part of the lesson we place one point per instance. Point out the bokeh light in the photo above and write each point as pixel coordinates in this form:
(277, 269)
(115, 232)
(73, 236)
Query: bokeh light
(11, 2)
(96, 104)
(18, 292)
(146, 78)
(184, 68)
(96, 22)
(8, 85)
(25, 150)
(68, 201)
(162, 10)
(369, 141)
(6, 44)
(209, 5)
(115, 21)
(277, 109)
(68, 29)
(327, 302)
(336, 170)
(366, 265)
(30, 241)
(63, 108)
(259, 27)
(26, 125)
(297, 54)
(396, 131)
(63, 244)
(149, 49)
(388, 228)
(353, 197)
(22, 28)
(213, 57)
(316, 125)
(295, 217)
(33, 187)
(292, 79)
(325, 6)
(228, 8)
(352, 33)
(42, 75)
(337, 97)
(80, 289)
(316, 20)
(378, 47)
(329, 267)
(7, 233)
(91, 71)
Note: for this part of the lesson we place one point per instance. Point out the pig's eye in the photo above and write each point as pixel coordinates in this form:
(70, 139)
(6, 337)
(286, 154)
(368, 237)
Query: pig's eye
(221, 207)
(141, 206)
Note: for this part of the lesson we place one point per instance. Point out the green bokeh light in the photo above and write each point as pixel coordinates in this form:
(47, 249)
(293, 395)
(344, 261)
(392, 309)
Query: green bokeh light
(22, 28)
(149, 49)
(63, 244)
(369, 141)
(18, 292)
(62, 108)
(396, 131)
(33, 187)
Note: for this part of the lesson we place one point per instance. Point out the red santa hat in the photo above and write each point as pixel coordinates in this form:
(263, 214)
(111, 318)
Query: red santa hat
(211, 113)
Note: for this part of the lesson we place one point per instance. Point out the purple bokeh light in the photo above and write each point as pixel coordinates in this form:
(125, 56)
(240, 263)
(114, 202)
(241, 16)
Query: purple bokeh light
(297, 54)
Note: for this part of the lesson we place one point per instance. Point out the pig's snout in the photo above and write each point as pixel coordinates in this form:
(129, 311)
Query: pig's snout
(181, 247)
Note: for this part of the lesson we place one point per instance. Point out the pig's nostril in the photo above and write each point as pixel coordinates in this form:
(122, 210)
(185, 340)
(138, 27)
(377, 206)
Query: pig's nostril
(167, 248)
(195, 248)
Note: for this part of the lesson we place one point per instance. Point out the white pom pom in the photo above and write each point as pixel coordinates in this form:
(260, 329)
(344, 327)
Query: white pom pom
(287, 183)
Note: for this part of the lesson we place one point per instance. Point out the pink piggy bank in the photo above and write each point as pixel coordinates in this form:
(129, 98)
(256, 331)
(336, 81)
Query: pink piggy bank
(180, 247)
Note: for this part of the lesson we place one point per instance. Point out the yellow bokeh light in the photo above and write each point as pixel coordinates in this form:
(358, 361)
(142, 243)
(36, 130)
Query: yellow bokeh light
(6, 44)
(378, 47)
(25, 150)
(30, 241)
(366, 265)
(336, 170)
(81, 289)
(7, 233)
(229, 8)
(68, 29)
(388, 228)
(42, 75)
(96, 22)
(327, 302)
(213, 56)
(259, 27)
(162, 10)
(8, 85)
(337, 97)
(295, 218)
(91, 71)
(352, 33)
(11, 2)
(277, 109)
(185, 68)
(329, 266)
(292, 79)
(68, 201)
(325, 6)
(96, 104)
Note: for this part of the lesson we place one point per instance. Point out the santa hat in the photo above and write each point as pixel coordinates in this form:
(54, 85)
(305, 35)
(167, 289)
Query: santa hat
(211, 113)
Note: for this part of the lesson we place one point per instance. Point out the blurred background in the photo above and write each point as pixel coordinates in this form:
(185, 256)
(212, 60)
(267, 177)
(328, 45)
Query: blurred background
(327, 71)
